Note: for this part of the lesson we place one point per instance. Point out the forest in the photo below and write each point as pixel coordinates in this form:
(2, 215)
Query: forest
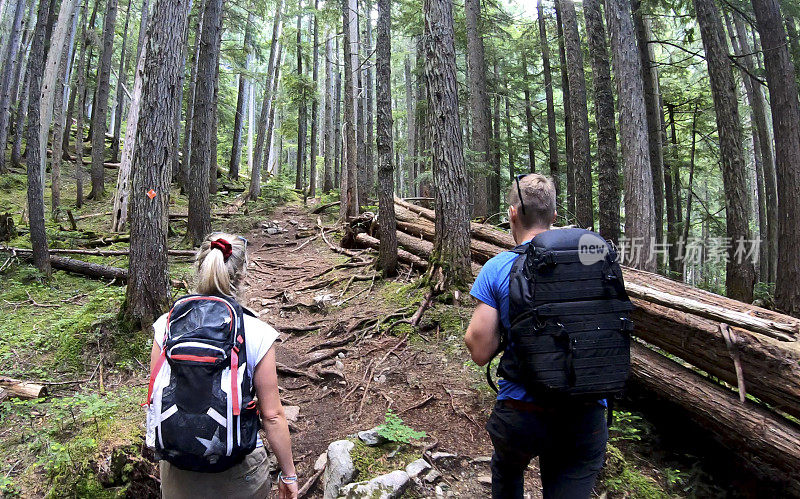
(366, 150)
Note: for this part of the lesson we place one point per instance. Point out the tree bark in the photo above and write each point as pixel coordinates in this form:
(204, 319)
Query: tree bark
(312, 170)
(387, 253)
(479, 108)
(81, 92)
(100, 107)
(758, 107)
(189, 119)
(121, 80)
(552, 134)
(337, 124)
(512, 152)
(349, 175)
(148, 293)
(651, 100)
(199, 223)
(607, 168)
(567, 102)
(451, 243)
(12, 58)
(41, 256)
(493, 179)
(410, 122)
(579, 113)
(785, 119)
(59, 91)
(639, 207)
(528, 115)
(241, 99)
(740, 275)
(302, 119)
(271, 123)
(266, 103)
(329, 133)
(123, 189)
(369, 116)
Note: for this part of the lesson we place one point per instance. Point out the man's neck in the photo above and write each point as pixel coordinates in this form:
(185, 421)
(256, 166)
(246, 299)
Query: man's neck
(529, 234)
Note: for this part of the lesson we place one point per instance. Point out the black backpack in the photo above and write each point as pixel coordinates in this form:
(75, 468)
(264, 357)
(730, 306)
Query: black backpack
(202, 414)
(570, 318)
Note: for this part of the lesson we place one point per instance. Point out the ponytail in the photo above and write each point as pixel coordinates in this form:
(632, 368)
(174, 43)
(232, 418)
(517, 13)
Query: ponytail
(220, 265)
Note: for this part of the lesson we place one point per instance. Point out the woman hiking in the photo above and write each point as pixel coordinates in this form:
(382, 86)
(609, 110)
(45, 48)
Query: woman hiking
(213, 385)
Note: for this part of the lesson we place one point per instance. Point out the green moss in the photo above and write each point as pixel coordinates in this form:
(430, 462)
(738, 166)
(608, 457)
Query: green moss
(397, 294)
(371, 462)
(620, 477)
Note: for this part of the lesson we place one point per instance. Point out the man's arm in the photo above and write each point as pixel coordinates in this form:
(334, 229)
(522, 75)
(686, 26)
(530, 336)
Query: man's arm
(482, 336)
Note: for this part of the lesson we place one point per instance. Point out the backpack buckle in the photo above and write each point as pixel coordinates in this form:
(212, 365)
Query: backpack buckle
(626, 324)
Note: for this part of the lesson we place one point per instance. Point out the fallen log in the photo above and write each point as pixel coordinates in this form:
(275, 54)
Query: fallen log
(22, 389)
(777, 330)
(95, 252)
(771, 367)
(319, 209)
(766, 443)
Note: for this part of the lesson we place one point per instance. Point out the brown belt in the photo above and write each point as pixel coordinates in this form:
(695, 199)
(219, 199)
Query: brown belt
(522, 406)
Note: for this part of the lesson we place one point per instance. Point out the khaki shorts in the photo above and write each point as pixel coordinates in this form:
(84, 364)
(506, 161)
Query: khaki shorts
(249, 479)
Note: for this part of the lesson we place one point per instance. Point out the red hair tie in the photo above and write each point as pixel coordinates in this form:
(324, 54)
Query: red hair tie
(224, 246)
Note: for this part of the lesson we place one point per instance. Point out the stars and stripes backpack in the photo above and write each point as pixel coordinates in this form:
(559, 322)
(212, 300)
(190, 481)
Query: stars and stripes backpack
(202, 414)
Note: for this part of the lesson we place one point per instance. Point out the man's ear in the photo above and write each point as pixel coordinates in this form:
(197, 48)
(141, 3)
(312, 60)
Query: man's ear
(555, 217)
(512, 214)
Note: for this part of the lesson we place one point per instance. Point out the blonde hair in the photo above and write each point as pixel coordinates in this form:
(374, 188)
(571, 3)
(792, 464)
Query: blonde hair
(215, 276)
(539, 196)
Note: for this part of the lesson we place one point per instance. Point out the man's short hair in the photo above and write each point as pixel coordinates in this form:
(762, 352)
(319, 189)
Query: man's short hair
(539, 196)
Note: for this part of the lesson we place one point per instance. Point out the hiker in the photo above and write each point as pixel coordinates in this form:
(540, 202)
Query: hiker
(558, 314)
(213, 385)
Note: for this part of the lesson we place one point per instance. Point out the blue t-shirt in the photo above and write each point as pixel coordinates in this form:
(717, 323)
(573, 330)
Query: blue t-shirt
(491, 287)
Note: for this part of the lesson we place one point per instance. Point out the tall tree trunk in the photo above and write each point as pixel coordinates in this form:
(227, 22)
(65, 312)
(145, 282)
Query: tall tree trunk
(552, 134)
(651, 98)
(528, 115)
(689, 191)
(149, 289)
(271, 123)
(328, 132)
(337, 125)
(493, 180)
(59, 124)
(122, 192)
(41, 254)
(758, 107)
(607, 168)
(199, 222)
(81, 93)
(369, 116)
(579, 112)
(241, 100)
(213, 174)
(192, 91)
(12, 58)
(22, 113)
(410, 118)
(177, 174)
(302, 119)
(387, 253)
(266, 103)
(100, 107)
(740, 275)
(121, 80)
(312, 170)
(361, 114)
(52, 70)
(568, 132)
(349, 175)
(451, 242)
(479, 108)
(509, 136)
(785, 119)
(669, 196)
(639, 209)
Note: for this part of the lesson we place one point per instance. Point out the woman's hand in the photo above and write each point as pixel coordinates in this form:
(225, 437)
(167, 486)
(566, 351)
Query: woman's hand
(287, 490)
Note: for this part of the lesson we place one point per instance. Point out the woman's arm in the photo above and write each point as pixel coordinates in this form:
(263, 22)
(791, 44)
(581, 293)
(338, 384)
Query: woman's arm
(273, 418)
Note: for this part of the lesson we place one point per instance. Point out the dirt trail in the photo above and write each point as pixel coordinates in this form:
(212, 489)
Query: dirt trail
(426, 383)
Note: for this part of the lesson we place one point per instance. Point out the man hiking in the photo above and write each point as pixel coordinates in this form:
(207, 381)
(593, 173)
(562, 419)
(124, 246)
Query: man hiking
(555, 307)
